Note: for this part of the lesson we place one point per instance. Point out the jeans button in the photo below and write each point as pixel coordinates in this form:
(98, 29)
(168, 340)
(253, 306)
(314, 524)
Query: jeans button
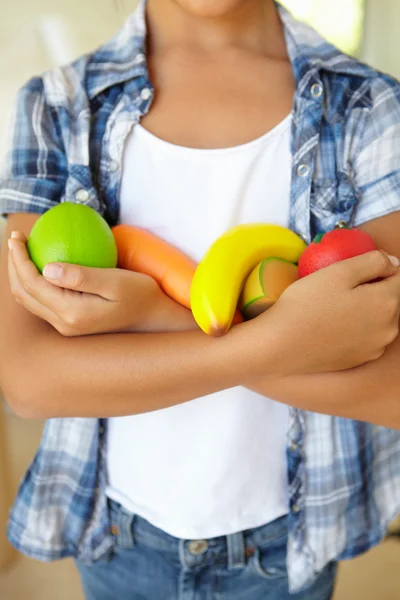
(198, 547)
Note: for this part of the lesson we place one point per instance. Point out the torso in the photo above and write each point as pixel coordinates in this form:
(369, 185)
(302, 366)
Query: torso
(219, 461)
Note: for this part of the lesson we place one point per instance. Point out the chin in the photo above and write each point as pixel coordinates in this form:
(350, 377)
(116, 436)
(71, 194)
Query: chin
(210, 8)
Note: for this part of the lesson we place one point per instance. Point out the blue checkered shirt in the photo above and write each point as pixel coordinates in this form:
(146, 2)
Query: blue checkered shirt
(67, 138)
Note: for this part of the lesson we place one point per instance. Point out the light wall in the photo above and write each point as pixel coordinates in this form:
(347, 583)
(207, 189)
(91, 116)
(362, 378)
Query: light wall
(381, 35)
(37, 34)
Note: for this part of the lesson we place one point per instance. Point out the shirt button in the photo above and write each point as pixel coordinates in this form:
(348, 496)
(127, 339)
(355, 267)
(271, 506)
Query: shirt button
(296, 508)
(198, 547)
(317, 90)
(145, 94)
(82, 196)
(101, 429)
(114, 166)
(303, 170)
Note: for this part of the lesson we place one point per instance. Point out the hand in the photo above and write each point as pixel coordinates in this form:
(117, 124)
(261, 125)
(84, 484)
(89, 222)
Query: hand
(336, 318)
(80, 300)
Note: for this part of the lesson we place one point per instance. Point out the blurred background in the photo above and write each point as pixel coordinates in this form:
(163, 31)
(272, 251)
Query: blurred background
(38, 34)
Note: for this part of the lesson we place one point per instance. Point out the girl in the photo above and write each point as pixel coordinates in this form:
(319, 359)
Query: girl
(171, 466)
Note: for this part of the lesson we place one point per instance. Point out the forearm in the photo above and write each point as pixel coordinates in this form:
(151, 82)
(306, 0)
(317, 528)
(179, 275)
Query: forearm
(168, 317)
(45, 374)
(124, 374)
(368, 393)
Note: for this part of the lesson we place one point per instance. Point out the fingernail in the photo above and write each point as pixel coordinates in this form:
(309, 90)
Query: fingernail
(14, 235)
(394, 260)
(53, 271)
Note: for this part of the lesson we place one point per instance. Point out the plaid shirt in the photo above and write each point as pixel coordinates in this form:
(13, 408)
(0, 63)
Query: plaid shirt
(66, 144)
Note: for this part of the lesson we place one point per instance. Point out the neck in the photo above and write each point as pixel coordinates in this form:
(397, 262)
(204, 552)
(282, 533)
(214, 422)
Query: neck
(252, 25)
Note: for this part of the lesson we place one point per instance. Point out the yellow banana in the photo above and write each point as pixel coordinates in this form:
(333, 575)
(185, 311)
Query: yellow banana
(221, 273)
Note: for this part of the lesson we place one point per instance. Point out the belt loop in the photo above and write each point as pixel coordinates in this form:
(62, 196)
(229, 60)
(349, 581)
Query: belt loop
(125, 537)
(236, 555)
(182, 554)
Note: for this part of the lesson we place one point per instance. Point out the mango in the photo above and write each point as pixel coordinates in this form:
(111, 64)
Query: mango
(268, 280)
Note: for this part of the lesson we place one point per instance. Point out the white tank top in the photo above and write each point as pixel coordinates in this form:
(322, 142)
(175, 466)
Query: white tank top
(215, 465)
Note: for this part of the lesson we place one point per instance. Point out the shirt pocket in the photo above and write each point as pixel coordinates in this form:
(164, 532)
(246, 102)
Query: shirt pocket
(332, 203)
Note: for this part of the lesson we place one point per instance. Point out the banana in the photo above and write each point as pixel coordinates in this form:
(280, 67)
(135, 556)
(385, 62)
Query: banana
(220, 275)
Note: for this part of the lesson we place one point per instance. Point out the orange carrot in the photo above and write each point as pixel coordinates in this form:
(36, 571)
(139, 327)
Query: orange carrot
(143, 252)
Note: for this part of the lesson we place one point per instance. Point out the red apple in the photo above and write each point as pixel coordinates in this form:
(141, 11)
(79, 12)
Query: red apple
(331, 247)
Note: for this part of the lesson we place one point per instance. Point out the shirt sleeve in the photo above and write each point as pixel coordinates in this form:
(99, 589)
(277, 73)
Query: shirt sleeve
(377, 161)
(34, 173)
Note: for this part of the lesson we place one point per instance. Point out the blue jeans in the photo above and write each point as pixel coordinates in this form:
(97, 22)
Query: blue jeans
(149, 564)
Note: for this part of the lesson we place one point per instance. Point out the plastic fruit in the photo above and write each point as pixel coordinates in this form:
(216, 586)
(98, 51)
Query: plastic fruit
(332, 247)
(265, 284)
(141, 251)
(221, 273)
(72, 233)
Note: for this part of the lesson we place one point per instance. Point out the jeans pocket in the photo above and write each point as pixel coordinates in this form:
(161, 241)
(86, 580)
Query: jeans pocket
(269, 560)
(268, 568)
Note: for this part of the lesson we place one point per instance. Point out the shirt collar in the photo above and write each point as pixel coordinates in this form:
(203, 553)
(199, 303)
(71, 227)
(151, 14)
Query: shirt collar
(308, 50)
(124, 57)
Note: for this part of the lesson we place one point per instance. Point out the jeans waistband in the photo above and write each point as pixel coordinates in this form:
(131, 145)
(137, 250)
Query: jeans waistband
(234, 548)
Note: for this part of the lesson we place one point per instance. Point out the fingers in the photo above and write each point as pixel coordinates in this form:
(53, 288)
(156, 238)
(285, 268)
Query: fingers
(392, 287)
(386, 296)
(69, 312)
(18, 235)
(63, 275)
(29, 277)
(108, 284)
(99, 282)
(367, 267)
(23, 298)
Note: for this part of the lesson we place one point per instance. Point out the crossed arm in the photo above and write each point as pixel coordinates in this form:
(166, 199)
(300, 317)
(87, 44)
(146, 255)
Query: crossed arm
(45, 374)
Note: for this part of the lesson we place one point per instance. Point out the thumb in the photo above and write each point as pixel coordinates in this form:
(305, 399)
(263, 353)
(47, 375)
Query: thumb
(80, 279)
(369, 267)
